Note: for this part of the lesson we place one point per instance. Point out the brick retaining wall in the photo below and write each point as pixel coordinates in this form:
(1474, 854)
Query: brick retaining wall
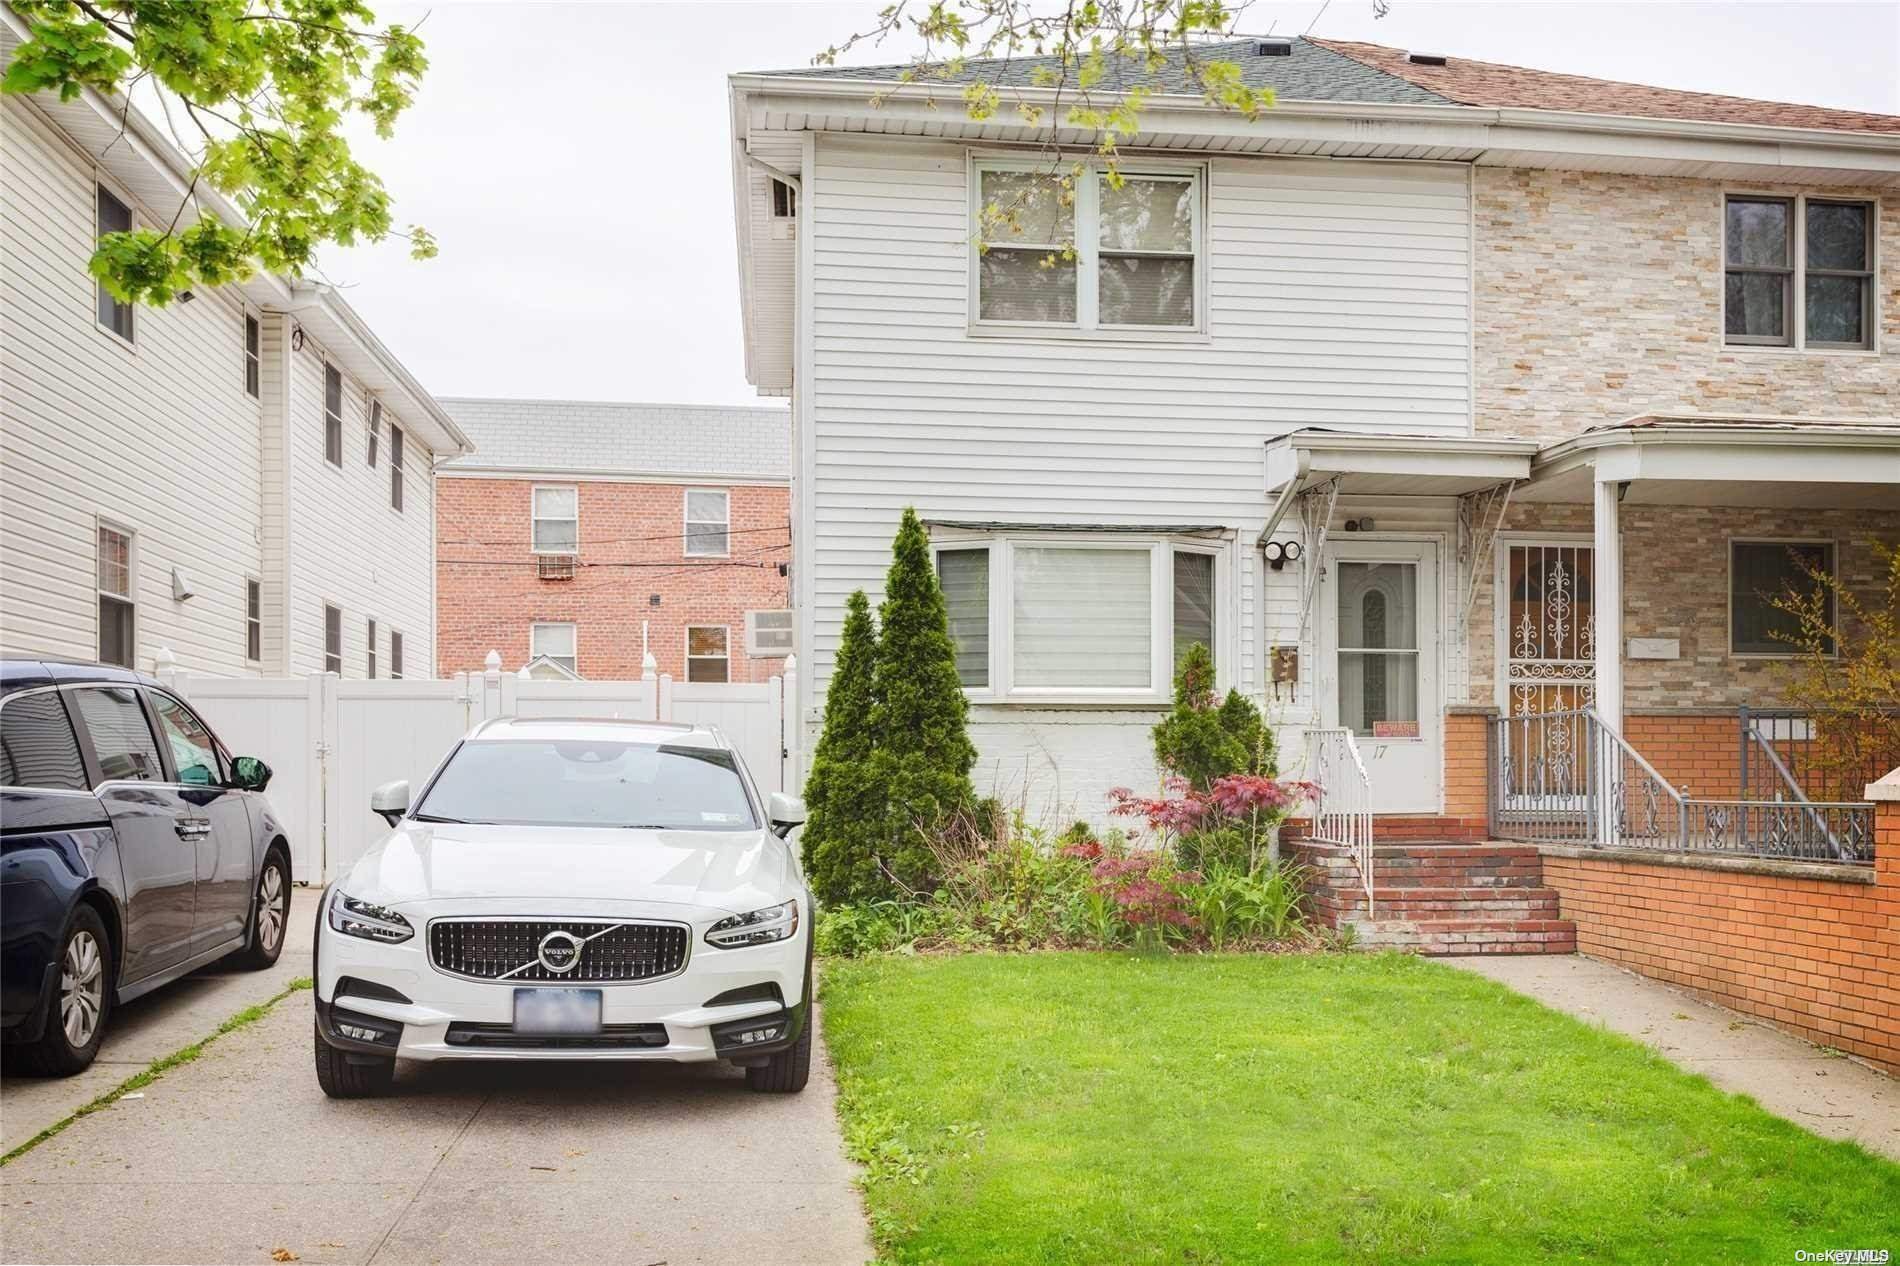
(1814, 949)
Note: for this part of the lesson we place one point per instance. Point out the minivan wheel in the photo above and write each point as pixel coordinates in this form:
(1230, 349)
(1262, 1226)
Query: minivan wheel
(270, 914)
(344, 1077)
(786, 1072)
(81, 1000)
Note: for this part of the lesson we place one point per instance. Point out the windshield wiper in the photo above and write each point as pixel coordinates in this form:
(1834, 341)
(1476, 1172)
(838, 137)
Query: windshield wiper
(433, 817)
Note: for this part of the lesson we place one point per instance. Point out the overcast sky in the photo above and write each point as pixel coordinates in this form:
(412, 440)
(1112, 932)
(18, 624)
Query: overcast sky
(574, 159)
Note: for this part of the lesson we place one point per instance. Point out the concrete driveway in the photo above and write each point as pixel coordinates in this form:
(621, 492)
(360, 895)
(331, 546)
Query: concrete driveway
(238, 1155)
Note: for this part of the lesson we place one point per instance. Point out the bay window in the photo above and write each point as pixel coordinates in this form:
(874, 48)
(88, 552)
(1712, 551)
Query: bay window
(1076, 617)
(1089, 252)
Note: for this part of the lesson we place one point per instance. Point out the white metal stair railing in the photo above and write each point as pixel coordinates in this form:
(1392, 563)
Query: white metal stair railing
(1342, 807)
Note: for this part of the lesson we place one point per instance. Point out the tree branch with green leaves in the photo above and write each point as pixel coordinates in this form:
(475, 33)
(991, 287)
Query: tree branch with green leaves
(266, 88)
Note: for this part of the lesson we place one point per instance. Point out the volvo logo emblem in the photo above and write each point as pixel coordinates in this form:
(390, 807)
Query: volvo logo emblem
(560, 952)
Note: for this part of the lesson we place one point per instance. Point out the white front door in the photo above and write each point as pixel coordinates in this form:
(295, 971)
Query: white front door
(1379, 631)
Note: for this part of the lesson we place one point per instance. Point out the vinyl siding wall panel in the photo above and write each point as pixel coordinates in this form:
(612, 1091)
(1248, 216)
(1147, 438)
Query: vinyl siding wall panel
(1338, 295)
(347, 546)
(159, 437)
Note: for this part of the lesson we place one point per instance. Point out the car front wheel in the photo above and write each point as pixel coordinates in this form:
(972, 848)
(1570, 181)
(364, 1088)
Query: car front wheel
(786, 1072)
(270, 914)
(352, 1077)
(82, 998)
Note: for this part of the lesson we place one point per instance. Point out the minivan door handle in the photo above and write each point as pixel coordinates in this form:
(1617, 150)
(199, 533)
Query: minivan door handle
(192, 828)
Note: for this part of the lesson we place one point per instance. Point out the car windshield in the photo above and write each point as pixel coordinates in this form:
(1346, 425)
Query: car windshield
(516, 782)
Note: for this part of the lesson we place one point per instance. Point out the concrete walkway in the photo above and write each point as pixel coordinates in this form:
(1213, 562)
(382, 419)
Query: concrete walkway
(154, 1026)
(1827, 1094)
(238, 1156)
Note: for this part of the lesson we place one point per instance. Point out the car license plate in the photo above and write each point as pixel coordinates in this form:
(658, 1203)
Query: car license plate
(557, 1011)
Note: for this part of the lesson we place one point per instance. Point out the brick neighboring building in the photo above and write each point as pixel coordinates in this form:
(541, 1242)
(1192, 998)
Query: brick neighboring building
(568, 530)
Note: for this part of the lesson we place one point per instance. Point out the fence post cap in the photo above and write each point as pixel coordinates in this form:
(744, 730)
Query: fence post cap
(493, 662)
(791, 664)
(524, 674)
(163, 660)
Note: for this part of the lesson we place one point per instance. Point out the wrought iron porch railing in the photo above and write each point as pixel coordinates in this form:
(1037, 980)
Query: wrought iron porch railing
(1342, 808)
(1566, 777)
(1826, 757)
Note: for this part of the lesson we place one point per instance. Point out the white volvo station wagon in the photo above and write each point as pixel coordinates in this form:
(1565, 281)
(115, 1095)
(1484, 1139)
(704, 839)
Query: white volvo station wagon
(585, 889)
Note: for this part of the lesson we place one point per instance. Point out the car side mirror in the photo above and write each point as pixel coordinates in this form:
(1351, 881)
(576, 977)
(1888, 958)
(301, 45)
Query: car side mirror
(784, 812)
(390, 801)
(249, 773)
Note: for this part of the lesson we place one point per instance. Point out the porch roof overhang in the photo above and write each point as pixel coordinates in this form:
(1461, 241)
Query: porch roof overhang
(1689, 460)
(1396, 465)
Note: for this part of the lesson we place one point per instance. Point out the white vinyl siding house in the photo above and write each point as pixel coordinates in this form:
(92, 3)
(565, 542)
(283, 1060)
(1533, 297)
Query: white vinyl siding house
(164, 438)
(1337, 294)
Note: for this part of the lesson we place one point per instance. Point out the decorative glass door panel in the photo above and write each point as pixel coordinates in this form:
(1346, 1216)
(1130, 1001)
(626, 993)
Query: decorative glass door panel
(1379, 624)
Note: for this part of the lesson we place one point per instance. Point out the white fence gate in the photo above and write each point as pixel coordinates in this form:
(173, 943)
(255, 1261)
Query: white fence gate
(330, 742)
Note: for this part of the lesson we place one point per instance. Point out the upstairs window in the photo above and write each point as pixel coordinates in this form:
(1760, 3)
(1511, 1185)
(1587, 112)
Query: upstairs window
(253, 358)
(332, 415)
(117, 614)
(395, 655)
(112, 216)
(708, 523)
(1091, 253)
(332, 640)
(375, 430)
(1798, 272)
(395, 467)
(370, 642)
(557, 524)
(253, 621)
(1763, 574)
(784, 201)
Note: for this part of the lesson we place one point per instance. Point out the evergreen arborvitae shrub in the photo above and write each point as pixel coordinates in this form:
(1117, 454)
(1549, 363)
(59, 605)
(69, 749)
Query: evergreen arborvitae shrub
(1242, 720)
(1193, 741)
(844, 810)
(919, 714)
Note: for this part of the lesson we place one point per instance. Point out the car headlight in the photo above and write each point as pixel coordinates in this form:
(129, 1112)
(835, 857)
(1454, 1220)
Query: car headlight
(368, 920)
(761, 927)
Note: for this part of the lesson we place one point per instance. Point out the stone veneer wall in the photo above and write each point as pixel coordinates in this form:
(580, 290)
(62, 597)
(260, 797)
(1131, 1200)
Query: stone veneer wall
(1675, 581)
(1599, 297)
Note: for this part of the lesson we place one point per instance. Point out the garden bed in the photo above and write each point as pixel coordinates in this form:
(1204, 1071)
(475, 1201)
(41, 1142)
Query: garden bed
(1078, 1108)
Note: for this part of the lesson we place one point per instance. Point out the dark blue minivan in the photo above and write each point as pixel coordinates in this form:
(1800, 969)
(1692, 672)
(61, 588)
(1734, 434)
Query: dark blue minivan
(133, 849)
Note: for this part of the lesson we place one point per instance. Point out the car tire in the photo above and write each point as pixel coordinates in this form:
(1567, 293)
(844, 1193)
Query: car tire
(80, 1001)
(786, 1072)
(344, 1078)
(270, 914)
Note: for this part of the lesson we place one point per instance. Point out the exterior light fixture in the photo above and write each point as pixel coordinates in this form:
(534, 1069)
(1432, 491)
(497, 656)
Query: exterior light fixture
(1279, 553)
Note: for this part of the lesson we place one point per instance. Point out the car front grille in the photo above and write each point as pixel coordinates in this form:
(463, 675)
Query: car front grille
(502, 1037)
(494, 949)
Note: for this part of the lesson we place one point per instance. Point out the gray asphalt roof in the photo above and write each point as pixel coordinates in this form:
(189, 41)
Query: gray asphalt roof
(1307, 73)
(608, 437)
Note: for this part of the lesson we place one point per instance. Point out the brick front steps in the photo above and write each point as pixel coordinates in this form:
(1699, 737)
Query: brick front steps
(1440, 898)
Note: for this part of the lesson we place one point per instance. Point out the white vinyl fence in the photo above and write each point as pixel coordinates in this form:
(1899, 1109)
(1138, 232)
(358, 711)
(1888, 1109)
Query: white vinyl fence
(330, 742)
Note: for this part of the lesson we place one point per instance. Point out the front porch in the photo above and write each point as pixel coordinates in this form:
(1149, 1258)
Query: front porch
(1606, 679)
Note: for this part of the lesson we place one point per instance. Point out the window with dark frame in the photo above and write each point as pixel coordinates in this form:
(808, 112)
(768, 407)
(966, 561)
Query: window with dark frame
(395, 467)
(118, 620)
(253, 620)
(375, 430)
(332, 640)
(395, 655)
(332, 415)
(113, 216)
(253, 358)
(1798, 272)
(1765, 574)
(370, 641)
(1838, 286)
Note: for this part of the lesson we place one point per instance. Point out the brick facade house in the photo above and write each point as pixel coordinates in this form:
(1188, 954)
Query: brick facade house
(581, 536)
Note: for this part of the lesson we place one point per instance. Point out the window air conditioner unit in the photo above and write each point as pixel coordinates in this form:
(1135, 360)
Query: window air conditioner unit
(555, 566)
(768, 634)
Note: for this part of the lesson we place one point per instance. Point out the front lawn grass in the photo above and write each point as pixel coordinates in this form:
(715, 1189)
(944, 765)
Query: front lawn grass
(1111, 1108)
